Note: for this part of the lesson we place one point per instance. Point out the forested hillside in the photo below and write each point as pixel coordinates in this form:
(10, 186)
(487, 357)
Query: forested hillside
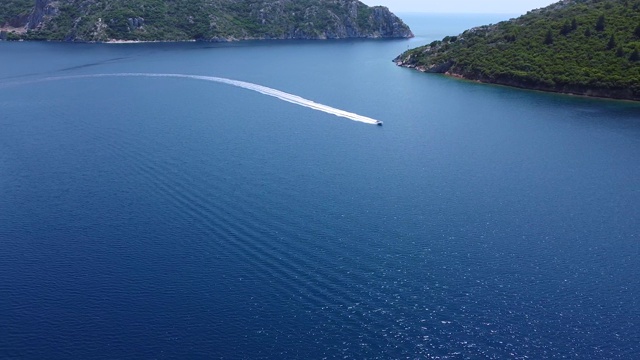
(588, 47)
(211, 20)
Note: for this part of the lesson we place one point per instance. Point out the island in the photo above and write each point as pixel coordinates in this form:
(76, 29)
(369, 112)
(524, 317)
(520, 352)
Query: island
(583, 47)
(195, 20)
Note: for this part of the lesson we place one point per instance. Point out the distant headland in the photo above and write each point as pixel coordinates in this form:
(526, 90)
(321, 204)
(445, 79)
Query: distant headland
(195, 20)
(583, 47)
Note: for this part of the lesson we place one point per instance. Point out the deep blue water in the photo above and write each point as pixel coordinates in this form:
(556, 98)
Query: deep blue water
(176, 218)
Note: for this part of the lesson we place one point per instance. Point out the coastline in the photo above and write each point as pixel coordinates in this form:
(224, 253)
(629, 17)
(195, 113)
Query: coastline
(116, 42)
(604, 94)
(216, 40)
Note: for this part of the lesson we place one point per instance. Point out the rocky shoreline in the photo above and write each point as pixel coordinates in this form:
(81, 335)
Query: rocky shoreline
(615, 94)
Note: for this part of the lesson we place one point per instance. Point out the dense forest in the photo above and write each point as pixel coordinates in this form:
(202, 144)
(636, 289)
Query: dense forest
(14, 13)
(221, 20)
(588, 47)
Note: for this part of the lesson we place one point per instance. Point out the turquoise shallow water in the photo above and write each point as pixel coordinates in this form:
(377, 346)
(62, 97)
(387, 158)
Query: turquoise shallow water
(171, 217)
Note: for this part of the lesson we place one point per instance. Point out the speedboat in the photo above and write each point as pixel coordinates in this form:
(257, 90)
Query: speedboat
(379, 123)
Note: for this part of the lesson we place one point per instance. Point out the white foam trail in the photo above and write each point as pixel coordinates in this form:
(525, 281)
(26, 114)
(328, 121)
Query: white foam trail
(294, 99)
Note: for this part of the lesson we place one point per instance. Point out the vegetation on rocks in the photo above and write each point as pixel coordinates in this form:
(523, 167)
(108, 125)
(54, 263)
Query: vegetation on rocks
(210, 20)
(588, 47)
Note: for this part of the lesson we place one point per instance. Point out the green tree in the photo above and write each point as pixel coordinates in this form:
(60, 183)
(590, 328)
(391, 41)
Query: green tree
(612, 42)
(566, 28)
(619, 51)
(600, 24)
(636, 32)
(548, 39)
(635, 56)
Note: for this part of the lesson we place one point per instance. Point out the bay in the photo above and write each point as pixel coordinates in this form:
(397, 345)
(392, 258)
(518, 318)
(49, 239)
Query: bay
(180, 218)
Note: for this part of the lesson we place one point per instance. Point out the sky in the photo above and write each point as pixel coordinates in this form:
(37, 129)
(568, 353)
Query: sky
(462, 6)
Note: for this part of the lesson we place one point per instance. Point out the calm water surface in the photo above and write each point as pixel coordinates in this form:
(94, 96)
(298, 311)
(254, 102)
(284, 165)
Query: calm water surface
(177, 218)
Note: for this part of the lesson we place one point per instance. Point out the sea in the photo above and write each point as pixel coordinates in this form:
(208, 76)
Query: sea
(239, 201)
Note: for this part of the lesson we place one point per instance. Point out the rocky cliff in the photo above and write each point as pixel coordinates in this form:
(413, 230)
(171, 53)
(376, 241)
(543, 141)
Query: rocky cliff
(206, 20)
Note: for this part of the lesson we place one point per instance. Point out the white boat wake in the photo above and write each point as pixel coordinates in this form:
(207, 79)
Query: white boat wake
(294, 99)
